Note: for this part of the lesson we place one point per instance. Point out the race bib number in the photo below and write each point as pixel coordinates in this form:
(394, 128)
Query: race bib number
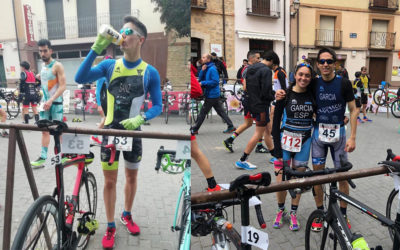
(255, 237)
(74, 144)
(55, 160)
(183, 150)
(122, 143)
(328, 132)
(291, 141)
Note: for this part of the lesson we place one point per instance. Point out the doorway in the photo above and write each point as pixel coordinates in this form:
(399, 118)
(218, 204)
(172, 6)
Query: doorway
(377, 70)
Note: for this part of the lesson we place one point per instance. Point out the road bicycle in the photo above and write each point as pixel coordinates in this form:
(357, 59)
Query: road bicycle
(184, 106)
(211, 218)
(57, 221)
(167, 100)
(388, 98)
(13, 103)
(181, 223)
(335, 232)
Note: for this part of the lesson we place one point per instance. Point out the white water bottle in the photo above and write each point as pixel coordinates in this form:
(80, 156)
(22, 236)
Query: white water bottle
(110, 33)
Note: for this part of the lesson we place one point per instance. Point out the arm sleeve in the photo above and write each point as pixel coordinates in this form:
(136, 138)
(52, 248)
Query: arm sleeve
(154, 88)
(23, 76)
(87, 74)
(347, 90)
(282, 79)
(99, 84)
(214, 78)
(266, 83)
(276, 128)
(202, 75)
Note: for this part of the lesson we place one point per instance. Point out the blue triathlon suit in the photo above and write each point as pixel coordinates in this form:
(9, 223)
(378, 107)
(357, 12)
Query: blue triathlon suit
(331, 99)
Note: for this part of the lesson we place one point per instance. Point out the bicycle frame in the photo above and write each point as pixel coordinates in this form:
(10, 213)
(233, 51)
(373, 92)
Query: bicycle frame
(334, 213)
(185, 190)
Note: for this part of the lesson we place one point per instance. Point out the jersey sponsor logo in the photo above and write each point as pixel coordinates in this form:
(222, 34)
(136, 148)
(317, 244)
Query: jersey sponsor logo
(330, 109)
(308, 103)
(321, 89)
(327, 97)
(139, 71)
(117, 70)
(294, 101)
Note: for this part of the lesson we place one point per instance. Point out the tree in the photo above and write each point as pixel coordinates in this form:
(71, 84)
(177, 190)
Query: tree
(175, 14)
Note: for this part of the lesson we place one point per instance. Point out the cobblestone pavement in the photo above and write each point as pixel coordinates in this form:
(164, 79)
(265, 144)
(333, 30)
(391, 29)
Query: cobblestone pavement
(155, 200)
(372, 141)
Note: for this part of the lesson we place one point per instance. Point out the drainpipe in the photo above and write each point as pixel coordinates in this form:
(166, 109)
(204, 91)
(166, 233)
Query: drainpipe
(284, 34)
(297, 50)
(223, 28)
(16, 33)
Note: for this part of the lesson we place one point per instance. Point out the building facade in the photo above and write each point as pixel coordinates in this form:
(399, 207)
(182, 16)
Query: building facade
(72, 27)
(362, 32)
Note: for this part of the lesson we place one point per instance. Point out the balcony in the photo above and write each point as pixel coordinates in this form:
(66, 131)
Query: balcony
(265, 8)
(78, 27)
(385, 5)
(382, 40)
(199, 4)
(328, 38)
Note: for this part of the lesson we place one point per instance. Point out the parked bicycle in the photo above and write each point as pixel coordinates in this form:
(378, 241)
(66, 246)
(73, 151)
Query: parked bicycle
(167, 100)
(335, 232)
(388, 98)
(184, 106)
(211, 218)
(13, 102)
(181, 223)
(57, 221)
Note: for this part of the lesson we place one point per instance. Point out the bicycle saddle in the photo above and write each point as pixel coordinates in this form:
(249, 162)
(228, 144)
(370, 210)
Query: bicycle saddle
(260, 179)
(61, 126)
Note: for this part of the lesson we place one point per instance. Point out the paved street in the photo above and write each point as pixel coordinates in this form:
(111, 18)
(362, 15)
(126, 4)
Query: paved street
(372, 141)
(155, 199)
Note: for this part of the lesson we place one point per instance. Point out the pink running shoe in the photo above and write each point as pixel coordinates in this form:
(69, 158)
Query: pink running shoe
(131, 226)
(109, 238)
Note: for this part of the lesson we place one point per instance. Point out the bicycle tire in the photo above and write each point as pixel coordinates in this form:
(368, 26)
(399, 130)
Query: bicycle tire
(88, 184)
(380, 97)
(13, 108)
(233, 236)
(395, 108)
(313, 240)
(391, 209)
(238, 90)
(183, 219)
(49, 206)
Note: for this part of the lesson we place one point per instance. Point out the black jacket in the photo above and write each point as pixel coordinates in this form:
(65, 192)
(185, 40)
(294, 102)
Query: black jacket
(259, 87)
(221, 68)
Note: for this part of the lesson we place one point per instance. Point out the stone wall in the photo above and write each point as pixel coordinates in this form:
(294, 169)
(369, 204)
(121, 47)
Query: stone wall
(178, 56)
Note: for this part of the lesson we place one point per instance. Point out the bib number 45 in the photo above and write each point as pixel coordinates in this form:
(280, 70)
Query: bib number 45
(329, 132)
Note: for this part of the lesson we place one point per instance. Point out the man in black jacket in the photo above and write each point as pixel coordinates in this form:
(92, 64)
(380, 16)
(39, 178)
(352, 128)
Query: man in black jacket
(259, 89)
(220, 67)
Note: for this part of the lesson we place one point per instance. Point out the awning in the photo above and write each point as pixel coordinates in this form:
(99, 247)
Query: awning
(260, 35)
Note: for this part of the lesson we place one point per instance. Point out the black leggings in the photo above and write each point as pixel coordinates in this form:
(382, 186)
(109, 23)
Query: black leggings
(210, 103)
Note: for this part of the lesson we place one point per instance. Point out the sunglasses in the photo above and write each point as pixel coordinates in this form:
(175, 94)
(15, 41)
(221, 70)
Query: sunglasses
(129, 31)
(304, 65)
(328, 61)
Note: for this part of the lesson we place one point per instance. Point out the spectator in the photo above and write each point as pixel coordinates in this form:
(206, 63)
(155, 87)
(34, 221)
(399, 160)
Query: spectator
(240, 70)
(220, 66)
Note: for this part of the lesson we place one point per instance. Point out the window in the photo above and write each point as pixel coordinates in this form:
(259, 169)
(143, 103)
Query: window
(261, 46)
(68, 54)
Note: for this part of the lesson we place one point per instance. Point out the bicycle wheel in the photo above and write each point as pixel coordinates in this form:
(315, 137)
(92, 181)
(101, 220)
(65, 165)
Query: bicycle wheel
(182, 222)
(195, 110)
(39, 229)
(166, 108)
(238, 90)
(87, 202)
(380, 97)
(232, 236)
(315, 240)
(13, 108)
(395, 108)
(392, 207)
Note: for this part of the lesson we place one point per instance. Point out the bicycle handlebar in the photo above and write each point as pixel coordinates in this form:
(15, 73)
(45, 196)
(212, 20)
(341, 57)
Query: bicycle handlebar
(391, 156)
(260, 179)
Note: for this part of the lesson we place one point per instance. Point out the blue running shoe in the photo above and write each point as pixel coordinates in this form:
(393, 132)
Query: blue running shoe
(245, 165)
(272, 160)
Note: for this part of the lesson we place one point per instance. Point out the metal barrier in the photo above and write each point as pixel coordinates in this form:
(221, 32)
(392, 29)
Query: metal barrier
(204, 197)
(15, 136)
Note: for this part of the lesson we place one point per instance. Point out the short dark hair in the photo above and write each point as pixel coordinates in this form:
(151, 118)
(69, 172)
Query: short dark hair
(272, 56)
(363, 67)
(142, 28)
(251, 53)
(44, 42)
(245, 60)
(25, 64)
(328, 50)
(214, 54)
(357, 74)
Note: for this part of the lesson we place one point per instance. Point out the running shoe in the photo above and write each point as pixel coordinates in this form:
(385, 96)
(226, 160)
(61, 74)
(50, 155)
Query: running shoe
(359, 121)
(272, 160)
(365, 119)
(281, 213)
(229, 130)
(316, 225)
(294, 224)
(217, 188)
(39, 163)
(228, 145)
(109, 238)
(261, 149)
(131, 226)
(245, 165)
(4, 133)
(347, 221)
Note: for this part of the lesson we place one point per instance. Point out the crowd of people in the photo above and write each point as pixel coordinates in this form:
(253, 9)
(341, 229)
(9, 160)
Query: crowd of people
(296, 118)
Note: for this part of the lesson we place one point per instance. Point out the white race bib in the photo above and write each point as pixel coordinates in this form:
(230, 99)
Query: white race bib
(255, 237)
(74, 144)
(329, 132)
(291, 141)
(121, 143)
